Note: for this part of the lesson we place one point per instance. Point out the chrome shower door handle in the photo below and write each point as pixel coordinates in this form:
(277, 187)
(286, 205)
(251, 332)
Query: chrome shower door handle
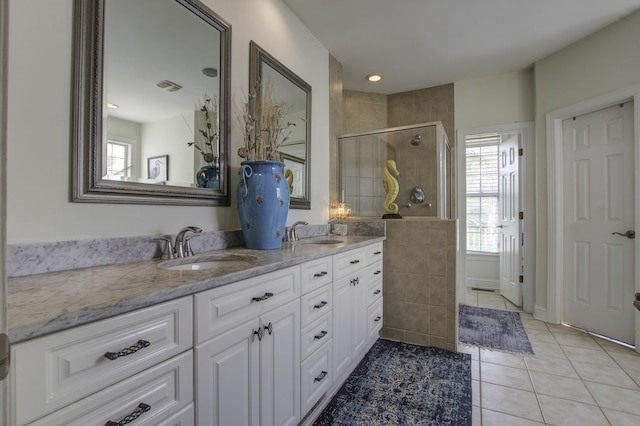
(631, 234)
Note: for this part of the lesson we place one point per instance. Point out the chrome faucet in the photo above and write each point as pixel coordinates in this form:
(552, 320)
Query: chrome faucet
(182, 247)
(290, 233)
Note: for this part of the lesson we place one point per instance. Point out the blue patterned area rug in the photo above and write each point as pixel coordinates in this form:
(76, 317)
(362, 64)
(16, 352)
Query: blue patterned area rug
(402, 384)
(493, 329)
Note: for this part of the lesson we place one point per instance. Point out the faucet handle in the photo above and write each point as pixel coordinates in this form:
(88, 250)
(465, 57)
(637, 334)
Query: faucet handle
(168, 252)
(187, 245)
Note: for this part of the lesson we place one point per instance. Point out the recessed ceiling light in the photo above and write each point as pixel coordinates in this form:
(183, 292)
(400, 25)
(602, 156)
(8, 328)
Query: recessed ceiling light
(210, 72)
(169, 86)
(374, 77)
(114, 106)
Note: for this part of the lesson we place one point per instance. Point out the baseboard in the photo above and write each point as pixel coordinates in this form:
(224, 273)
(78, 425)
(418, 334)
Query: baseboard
(483, 283)
(540, 313)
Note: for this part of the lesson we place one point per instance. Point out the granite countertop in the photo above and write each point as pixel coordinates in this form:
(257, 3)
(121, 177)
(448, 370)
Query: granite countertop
(46, 303)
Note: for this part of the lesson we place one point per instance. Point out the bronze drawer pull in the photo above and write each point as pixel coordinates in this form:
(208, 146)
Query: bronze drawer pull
(320, 335)
(320, 274)
(320, 377)
(378, 318)
(377, 272)
(127, 351)
(353, 262)
(377, 252)
(142, 408)
(261, 298)
(377, 291)
(320, 305)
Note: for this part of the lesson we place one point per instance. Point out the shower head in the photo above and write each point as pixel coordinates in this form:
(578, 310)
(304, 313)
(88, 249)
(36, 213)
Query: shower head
(417, 140)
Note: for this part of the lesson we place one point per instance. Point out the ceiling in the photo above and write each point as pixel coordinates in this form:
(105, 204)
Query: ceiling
(416, 44)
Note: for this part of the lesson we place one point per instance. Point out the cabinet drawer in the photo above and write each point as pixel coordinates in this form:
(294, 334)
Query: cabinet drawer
(315, 335)
(221, 308)
(374, 291)
(346, 263)
(375, 319)
(375, 271)
(166, 389)
(56, 370)
(316, 377)
(316, 273)
(374, 253)
(315, 304)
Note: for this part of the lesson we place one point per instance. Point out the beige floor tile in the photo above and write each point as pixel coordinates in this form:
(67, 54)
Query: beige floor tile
(511, 401)
(475, 370)
(506, 376)
(580, 341)
(561, 412)
(560, 328)
(613, 347)
(557, 366)
(502, 358)
(541, 336)
(492, 305)
(475, 392)
(494, 418)
(561, 387)
(618, 418)
(627, 360)
(594, 356)
(615, 398)
(476, 416)
(474, 351)
(614, 376)
(548, 350)
(534, 324)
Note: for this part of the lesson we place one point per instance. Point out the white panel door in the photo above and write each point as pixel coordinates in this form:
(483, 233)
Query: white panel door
(598, 187)
(508, 197)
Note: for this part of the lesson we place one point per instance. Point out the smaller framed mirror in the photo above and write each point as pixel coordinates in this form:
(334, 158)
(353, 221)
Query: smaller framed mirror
(287, 87)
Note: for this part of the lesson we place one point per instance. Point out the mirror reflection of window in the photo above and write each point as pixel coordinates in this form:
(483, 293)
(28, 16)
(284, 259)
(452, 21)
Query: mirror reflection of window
(118, 159)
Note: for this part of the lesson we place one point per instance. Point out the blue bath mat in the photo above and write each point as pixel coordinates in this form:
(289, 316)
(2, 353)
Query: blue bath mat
(402, 384)
(493, 329)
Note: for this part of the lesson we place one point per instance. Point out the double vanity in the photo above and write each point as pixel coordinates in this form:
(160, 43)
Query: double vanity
(227, 337)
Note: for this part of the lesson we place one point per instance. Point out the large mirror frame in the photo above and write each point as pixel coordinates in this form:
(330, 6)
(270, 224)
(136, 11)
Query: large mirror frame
(89, 111)
(258, 59)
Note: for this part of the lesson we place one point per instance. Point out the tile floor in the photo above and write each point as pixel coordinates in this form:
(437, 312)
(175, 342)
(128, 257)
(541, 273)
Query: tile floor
(574, 378)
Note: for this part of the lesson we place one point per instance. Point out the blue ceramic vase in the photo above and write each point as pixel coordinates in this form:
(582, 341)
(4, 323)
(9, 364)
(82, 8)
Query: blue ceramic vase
(263, 203)
(208, 177)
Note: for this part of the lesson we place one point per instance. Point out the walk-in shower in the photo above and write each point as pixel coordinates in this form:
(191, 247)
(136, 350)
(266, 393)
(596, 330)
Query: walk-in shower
(423, 159)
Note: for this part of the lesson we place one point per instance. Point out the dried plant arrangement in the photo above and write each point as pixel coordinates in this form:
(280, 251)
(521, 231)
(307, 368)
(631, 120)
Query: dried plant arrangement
(206, 136)
(263, 124)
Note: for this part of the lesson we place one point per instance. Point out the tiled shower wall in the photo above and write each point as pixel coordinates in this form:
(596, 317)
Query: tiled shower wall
(420, 262)
(420, 282)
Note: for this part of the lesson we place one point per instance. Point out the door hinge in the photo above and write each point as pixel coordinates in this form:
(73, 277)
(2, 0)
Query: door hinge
(521, 279)
(520, 152)
(5, 356)
(521, 215)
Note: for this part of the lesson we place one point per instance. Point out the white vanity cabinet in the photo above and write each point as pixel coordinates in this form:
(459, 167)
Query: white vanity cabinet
(316, 305)
(247, 369)
(107, 370)
(357, 305)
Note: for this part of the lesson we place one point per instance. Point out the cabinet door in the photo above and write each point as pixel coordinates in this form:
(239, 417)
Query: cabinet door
(342, 325)
(359, 311)
(280, 366)
(228, 379)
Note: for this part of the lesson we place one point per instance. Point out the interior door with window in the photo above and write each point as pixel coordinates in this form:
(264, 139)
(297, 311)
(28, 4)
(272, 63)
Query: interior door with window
(599, 222)
(509, 223)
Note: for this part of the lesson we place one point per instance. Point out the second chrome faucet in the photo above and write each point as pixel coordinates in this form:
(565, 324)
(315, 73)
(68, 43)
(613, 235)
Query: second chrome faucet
(290, 234)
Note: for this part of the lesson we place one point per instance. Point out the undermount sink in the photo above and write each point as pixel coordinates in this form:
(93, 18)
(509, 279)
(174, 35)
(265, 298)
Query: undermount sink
(322, 242)
(208, 261)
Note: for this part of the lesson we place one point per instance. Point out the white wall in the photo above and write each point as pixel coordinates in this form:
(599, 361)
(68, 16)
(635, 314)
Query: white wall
(39, 122)
(601, 63)
(169, 137)
(496, 99)
(485, 102)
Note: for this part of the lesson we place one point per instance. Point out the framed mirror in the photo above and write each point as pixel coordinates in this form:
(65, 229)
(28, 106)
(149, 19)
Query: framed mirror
(151, 103)
(287, 87)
